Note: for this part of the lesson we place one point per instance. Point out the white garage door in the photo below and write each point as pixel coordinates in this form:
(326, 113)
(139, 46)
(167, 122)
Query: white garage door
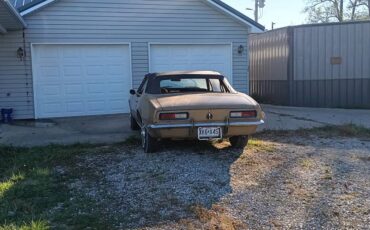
(191, 57)
(79, 80)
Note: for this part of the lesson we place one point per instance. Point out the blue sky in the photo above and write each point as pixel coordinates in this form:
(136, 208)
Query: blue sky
(282, 12)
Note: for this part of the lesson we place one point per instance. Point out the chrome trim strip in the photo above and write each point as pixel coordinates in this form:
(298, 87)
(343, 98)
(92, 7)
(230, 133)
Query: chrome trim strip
(213, 124)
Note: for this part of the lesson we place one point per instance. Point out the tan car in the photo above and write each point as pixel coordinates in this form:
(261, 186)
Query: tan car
(192, 105)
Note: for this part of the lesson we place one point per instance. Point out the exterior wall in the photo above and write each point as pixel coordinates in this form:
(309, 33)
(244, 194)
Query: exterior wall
(329, 66)
(15, 77)
(115, 21)
(319, 82)
(269, 57)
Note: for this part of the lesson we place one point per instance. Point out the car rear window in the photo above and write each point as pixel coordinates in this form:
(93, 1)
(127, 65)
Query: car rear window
(183, 85)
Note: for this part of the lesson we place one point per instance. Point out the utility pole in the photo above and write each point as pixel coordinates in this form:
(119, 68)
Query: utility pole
(256, 5)
(272, 25)
(341, 10)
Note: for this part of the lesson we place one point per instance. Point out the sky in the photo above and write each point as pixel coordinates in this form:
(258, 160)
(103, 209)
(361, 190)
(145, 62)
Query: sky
(282, 12)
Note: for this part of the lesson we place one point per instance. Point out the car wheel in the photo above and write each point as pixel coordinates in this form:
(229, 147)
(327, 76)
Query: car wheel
(148, 143)
(239, 142)
(133, 124)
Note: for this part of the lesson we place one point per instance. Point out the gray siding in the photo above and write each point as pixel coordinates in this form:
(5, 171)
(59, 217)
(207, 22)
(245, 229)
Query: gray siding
(319, 82)
(116, 21)
(315, 80)
(15, 77)
(269, 57)
(314, 47)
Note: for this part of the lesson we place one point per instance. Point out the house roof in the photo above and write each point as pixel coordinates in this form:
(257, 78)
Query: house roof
(239, 14)
(26, 6)
(9, 18)
(22, 5)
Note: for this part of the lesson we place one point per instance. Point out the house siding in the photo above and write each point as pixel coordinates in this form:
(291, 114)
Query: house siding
(309, 77)
(15, 76)
(139, 22)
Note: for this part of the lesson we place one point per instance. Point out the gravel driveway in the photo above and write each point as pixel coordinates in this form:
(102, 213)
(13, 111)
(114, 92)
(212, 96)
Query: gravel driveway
(283, 180)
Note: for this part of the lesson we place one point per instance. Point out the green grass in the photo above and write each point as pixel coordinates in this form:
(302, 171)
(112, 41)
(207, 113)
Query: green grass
(34, 225)
(346, 130)
(260, 145)
(31, 191)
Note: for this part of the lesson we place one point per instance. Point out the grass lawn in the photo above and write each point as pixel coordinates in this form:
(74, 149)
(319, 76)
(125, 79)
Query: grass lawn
(34, 196)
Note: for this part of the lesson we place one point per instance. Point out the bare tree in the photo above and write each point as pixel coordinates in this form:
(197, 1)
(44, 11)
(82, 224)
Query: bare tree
(352, 8)
(336, 10)
(366, 4)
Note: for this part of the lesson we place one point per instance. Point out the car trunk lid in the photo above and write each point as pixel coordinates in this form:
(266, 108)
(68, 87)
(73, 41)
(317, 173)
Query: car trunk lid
(209, 107)
(205, 101)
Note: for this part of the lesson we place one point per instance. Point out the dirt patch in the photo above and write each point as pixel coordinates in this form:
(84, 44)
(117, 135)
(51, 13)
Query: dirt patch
(305, 181)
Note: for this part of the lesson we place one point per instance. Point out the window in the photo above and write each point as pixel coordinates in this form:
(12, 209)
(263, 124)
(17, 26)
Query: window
(186, 84)
(142, 86)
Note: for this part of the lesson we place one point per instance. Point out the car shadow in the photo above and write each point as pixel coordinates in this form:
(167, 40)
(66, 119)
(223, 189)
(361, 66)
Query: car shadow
(166, 185)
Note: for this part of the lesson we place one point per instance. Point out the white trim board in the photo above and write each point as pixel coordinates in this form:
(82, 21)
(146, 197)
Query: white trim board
(36, 7)
(252, 28)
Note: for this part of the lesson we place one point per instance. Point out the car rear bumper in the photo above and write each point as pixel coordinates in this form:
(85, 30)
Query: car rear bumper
(189, 130)
(206, 124)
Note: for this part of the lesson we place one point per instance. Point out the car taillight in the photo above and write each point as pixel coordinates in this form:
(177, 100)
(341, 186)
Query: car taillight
(243, 114)
(173, 116)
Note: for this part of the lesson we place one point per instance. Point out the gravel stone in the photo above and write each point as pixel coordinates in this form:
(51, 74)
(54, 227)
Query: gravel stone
(300, 182)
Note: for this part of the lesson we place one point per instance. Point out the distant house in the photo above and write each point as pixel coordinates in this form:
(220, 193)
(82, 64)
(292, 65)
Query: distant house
(320, 65)
(78, 57)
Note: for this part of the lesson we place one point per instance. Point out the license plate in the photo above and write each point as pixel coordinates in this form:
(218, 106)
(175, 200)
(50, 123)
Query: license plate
(208, 133)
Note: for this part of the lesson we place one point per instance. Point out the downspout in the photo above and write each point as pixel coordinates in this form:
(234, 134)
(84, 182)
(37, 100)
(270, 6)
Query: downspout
(291, 85)
(24, 60)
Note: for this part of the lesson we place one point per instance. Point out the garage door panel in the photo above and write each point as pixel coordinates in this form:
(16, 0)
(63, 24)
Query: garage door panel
(50, 52)
(116, 105)
(49, 72)
(52, 108)
(172, 57)
(81, 80)
(51, 90)
(72, 71)
(69, 53)
(116, 87)
(73, 89)
(75, 106)
(96, 106)
(115, 69)
(95, 70)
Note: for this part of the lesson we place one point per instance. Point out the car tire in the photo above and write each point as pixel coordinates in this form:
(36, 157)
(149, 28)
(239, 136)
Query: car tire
(133, 124)
(148, 143)
(239, 142)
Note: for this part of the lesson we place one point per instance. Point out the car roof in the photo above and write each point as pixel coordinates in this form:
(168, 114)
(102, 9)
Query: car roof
(182, 73)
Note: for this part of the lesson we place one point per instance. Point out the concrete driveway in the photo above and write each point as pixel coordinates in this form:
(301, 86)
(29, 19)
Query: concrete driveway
(92, 129)
(292, 118)
(115, 128)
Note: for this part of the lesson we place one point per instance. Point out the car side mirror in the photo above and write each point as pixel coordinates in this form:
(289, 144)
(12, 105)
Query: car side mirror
(132, 92)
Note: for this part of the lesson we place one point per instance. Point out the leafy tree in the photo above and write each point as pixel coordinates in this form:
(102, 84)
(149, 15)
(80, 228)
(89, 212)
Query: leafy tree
(336, 10)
